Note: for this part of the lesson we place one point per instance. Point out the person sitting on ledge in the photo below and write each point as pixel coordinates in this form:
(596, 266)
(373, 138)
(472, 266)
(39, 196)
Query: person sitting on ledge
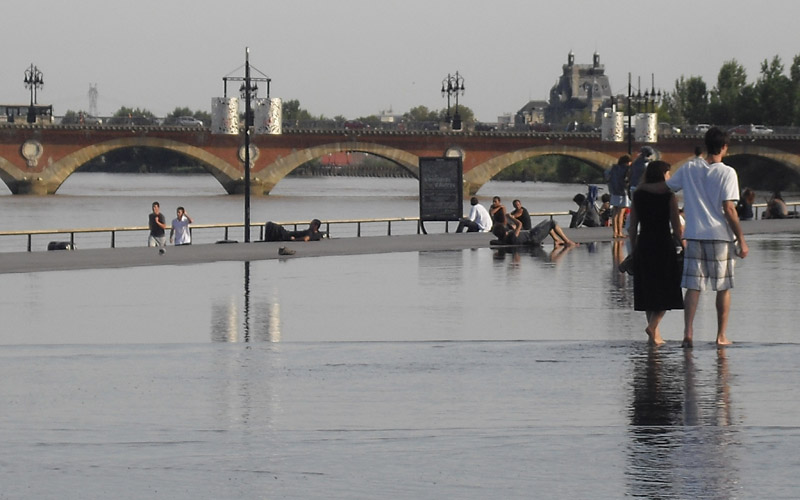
(276, 232)
(534, 237)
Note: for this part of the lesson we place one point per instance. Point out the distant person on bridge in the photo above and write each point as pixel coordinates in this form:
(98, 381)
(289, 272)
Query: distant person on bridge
(276, 232)
(158, 224)
(180, 234)
(478, 220)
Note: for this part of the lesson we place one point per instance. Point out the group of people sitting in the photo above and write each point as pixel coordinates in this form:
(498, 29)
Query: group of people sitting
(511, 228)
(776, 206)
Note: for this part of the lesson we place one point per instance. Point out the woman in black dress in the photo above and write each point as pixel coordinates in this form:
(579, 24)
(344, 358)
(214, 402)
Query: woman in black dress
(657, 271)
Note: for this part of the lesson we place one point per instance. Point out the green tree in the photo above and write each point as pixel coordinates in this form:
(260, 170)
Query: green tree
(794, 74)
(774, 91)
(421, 114)
(726, 96)
(137, 116)
(293, 113)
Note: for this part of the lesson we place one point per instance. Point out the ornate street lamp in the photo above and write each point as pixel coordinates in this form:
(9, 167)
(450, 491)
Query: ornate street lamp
(33, 81)
(451, 86)
(649, 99)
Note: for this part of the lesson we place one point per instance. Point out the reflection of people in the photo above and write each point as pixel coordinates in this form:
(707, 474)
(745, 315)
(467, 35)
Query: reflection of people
(276, 232)
(657, 274)
(179, 232)
(619, 194)
(712, 231)
(521, 214)
(744, 207)
(157, 223)
(534, 237)
(478, 220)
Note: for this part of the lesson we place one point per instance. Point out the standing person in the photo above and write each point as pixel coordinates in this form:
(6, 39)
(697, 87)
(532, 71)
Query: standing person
(157, 223)
(657, 273)
(479, 219)
(618, 190)
(638, 167)
(712, 231)
(521, 214)
(179, 233)
(745, 205)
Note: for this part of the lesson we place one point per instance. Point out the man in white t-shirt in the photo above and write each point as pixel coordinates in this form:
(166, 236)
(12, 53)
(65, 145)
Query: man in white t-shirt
(710, 191)
(179, 233)
(479, 219)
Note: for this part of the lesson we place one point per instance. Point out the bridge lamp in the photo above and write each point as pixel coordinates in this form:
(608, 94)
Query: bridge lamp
(34, 79)
(452, 86)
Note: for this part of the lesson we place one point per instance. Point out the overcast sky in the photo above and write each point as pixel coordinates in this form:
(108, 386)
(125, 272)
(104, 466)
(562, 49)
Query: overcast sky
(358, 57)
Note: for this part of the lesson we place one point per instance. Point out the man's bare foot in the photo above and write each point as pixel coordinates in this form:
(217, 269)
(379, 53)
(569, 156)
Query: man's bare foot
(723, 341)
(687, 342)
(654, 337)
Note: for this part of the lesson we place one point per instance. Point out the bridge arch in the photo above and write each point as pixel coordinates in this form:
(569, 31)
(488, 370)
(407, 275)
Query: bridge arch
(788, 160)
(483, 173)
(226, 174)
(273, 173)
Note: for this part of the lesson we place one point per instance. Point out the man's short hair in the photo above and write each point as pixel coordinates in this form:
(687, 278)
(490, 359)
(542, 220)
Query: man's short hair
(473, 200)
(624, 160)
(156, 204)
(316, 222)
(648, 152)
(715, 140)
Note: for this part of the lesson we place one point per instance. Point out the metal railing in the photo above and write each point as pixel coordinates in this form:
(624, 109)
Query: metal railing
(358, 229)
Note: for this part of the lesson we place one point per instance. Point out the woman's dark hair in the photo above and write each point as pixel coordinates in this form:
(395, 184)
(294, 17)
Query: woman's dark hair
(656, 171)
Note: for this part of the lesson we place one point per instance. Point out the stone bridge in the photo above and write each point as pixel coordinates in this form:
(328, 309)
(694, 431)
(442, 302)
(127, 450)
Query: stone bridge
(36, 159)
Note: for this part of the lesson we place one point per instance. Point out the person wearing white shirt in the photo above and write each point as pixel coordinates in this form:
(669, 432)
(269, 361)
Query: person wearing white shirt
(479, 219)
(179, 233)
(713, 234)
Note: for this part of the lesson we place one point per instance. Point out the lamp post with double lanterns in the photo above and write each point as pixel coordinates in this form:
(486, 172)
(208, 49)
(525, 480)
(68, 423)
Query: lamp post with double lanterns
(34, 79)
(649, 99)
(452, 86)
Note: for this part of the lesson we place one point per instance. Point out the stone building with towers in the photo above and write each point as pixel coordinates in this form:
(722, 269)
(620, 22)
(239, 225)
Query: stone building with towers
(580, 94)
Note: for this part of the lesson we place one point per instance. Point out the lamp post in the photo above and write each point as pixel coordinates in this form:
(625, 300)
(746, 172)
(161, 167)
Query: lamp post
(649, 99)
(247, 90)
(451, 86)
(33, 80)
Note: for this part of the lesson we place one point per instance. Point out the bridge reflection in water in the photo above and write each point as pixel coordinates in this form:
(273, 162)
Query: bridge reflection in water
(37, 160)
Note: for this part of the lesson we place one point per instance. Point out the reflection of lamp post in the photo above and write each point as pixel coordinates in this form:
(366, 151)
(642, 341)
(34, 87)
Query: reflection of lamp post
(33, 80)
(452, 85)
(649, 99)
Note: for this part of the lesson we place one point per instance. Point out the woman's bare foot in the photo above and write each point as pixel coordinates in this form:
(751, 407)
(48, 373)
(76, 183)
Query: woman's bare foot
(654, 337)
(687, 342)
(723, 341)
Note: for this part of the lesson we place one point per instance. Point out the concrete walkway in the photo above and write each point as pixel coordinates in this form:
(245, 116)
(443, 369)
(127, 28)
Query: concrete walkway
(111, 258)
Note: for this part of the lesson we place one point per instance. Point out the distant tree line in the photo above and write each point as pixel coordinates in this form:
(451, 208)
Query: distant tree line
(773, 99)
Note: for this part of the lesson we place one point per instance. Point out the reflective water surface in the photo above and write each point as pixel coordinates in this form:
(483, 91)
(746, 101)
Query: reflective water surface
(466, 374)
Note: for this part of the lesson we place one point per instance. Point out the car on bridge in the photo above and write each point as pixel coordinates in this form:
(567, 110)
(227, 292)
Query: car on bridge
(750, 130)
(188, 121)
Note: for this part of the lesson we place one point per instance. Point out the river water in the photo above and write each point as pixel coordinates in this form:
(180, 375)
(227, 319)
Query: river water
(463, 374)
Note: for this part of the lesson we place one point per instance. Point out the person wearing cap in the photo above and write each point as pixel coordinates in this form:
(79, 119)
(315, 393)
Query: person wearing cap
(638, 167)
(276, 232)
